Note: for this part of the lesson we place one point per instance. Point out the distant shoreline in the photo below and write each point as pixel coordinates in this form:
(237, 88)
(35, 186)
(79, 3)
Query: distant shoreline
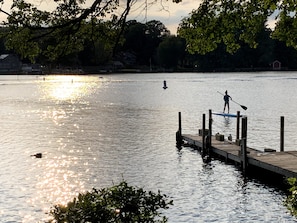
(97, 70)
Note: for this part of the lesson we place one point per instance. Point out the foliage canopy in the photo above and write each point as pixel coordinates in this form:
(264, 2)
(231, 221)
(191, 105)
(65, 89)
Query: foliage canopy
(120, 203)
(237, 22)
(291, 201)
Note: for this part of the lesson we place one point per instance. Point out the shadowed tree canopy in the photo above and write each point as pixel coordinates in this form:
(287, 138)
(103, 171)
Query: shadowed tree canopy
(236, 22)
(31, 31)
(143, 39)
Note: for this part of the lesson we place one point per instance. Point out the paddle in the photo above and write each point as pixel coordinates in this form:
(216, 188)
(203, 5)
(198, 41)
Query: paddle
(243, 107)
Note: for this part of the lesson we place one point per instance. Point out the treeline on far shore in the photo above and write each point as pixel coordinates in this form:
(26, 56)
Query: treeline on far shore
(149, 47)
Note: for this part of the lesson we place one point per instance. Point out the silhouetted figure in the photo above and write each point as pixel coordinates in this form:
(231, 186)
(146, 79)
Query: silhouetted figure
(226, 99)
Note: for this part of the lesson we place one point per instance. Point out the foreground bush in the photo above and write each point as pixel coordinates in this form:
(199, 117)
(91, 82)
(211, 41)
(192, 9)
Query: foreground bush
(118, 204)
(291, 201)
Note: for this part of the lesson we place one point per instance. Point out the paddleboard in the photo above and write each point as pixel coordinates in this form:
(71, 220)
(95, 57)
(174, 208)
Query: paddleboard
(225, 114)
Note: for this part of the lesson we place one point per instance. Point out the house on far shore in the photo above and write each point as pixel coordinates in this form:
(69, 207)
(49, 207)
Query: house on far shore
(276, 65)
(10, 64)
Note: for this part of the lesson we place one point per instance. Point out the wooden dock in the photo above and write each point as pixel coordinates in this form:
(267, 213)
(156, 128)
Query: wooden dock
(280, 163)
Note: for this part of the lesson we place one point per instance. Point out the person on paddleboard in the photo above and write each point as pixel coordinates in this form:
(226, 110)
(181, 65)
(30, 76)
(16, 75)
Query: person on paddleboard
(226, 99)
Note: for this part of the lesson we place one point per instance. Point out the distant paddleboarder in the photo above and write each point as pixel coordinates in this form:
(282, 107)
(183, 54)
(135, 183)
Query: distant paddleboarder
(226, 99)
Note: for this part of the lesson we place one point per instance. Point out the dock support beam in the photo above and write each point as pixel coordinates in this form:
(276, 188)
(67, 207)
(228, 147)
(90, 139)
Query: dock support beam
(244, 144)
(282, 130)
(179, 139)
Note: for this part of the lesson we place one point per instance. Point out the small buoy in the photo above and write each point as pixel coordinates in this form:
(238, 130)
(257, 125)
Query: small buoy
(37, 155)
(164, 85)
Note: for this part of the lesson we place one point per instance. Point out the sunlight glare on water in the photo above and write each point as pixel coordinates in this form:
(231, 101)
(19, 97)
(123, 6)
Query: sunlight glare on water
(63, 88)
(57, 178)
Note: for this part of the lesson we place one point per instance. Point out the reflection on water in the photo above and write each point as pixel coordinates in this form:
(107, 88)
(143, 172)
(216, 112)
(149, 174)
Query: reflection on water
(94, 132)
(227, 121)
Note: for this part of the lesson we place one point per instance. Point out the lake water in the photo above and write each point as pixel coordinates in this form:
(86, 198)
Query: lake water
(94, 131)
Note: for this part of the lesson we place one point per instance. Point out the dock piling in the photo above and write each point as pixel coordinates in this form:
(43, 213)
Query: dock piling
(206, 140)
(179, 138)
(282, 130)
(237, 125)
(244, 144)
(210, 127)
(243, 155)
(203, 134)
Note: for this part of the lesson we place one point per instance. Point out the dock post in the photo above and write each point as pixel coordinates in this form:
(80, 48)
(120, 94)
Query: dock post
(237, 125)
(179, 140)
(282, 130)
(179, 123)
(203, 134)
(203, 149)
(244, 156)
(206, 139)
(244, 127)
(210, 127)
(244, 144)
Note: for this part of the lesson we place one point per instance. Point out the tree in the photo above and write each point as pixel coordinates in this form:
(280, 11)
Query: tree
(135, 39)
(120, 203)
(234, 23)
(286, 55)
(98, 48)
(155, 32)
(143, 39)
(61, 30)
(170, 51)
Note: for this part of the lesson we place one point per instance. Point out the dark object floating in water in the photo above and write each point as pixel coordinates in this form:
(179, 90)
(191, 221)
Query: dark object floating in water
(164, 85)
(37, 155)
